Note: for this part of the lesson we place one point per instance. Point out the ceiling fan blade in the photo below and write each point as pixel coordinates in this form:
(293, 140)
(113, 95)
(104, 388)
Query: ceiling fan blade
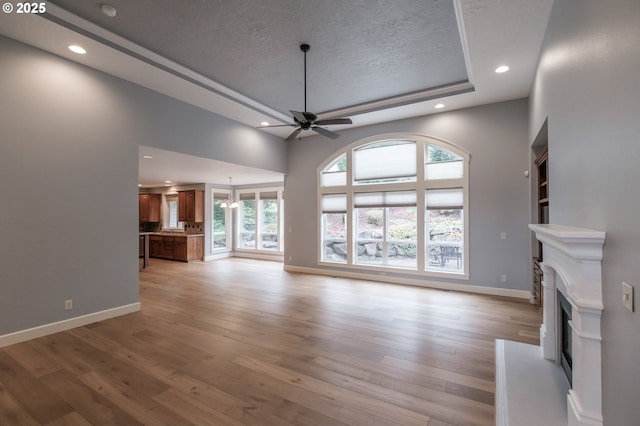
(325, 132)
(300, 117)
(293, 135)
(334, 121)
(277, 125)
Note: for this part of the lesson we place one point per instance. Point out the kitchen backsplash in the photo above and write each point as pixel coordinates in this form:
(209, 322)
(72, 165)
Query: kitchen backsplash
(189, 228)
(150, 227)
(194, 228)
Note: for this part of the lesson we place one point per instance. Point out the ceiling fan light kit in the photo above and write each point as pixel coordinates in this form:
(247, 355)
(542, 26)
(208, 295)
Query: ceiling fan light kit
(308, 120)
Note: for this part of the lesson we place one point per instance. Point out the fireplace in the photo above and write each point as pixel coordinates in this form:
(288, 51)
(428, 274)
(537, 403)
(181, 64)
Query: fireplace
(570, 332)
(564, 336)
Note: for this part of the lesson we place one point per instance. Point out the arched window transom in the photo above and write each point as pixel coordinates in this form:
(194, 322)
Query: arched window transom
(399, 203)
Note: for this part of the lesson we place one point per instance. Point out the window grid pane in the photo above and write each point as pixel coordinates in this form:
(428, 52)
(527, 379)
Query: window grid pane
(444, 170)
(445, 240)
(334, 203)
(334, 242)
(449, 198)
(247, 225)
(269, 224)
(387, 160)
(173, 214)
(385, 231)
(219, 222)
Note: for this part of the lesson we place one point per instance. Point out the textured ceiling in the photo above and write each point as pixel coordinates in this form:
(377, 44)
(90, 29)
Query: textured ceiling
(361, 50)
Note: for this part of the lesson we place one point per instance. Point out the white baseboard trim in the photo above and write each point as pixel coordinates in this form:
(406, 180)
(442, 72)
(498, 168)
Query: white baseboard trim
(276, 257)
(216, 256)
(494, 291)
(56, 327)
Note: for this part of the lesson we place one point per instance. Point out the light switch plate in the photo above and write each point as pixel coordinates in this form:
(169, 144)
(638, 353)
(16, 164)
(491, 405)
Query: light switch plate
(627, 296)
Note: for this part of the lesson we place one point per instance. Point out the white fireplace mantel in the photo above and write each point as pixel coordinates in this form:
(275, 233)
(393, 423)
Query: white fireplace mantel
(572, 264)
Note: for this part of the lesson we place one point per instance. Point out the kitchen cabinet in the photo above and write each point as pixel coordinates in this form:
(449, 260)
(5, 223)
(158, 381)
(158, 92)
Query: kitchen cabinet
(155, 246)
(168, 247)
(149, 207)
(178, 247)
(191, 206)
(195, 248)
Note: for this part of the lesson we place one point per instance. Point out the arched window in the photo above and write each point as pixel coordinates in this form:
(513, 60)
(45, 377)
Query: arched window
(396, 202)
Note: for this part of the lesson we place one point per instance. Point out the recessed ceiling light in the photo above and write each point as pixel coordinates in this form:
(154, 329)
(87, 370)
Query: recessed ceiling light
(108, 10)
(264, 123)
(438, 106)
(167, 181)
(147, 156)
(77, 49)
(502, 68)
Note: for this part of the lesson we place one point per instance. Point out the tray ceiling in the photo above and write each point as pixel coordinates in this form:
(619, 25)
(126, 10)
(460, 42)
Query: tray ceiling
(361, 51)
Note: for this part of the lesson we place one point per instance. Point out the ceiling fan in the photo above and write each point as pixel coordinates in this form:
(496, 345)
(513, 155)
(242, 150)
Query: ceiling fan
(308, 120)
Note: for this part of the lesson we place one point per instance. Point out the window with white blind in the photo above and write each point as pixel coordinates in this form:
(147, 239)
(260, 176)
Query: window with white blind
(172, 207)
(399, 203)
(334, 227)
(221, 222)
(384, 162)
(259, 220)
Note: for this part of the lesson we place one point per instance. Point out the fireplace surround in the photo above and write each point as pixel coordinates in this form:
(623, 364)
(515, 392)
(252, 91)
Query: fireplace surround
(531, 388)
(572, 266)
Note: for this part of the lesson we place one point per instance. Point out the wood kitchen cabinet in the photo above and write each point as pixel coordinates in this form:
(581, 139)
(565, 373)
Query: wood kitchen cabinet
(179, 247)
(195, 248)
(149, 207)
(168, 247)
(155, 246)
(191, 206)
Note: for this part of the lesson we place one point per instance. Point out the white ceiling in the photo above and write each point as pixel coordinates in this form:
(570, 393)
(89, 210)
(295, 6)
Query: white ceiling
(371, 60)
(159, 167)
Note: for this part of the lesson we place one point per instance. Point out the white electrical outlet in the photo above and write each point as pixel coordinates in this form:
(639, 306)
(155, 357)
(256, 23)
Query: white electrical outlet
(68, 305)
(503, 278)
(503, 235)
(627, 296)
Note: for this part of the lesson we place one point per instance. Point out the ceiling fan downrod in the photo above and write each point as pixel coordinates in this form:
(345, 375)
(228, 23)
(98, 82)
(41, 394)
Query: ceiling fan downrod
(305, 48)
(305, 120)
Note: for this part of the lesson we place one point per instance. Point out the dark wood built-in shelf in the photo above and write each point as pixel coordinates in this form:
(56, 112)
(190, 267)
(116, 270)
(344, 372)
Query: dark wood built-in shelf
(542, 165)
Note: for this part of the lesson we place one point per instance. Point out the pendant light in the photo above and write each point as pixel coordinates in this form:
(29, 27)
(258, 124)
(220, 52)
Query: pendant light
(229, 203)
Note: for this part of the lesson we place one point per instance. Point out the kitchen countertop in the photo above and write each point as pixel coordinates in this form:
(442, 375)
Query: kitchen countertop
(171, 234)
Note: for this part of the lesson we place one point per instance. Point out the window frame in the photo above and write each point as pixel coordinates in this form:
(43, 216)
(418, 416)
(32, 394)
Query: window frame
(169, 198)
(227, 222)
(258, 232)
(420, 185)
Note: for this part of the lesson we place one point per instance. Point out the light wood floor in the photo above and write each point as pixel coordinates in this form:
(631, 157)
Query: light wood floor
(240, 342)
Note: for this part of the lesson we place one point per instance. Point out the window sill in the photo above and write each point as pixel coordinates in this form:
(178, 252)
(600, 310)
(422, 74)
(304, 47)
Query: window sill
(393, 270)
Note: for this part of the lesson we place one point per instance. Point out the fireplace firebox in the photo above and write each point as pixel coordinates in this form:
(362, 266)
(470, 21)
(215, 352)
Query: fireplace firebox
(564, 335)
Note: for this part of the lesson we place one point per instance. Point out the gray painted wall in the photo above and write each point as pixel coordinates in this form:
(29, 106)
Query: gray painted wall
(496, 137)
(67, 130)
(587, 85)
